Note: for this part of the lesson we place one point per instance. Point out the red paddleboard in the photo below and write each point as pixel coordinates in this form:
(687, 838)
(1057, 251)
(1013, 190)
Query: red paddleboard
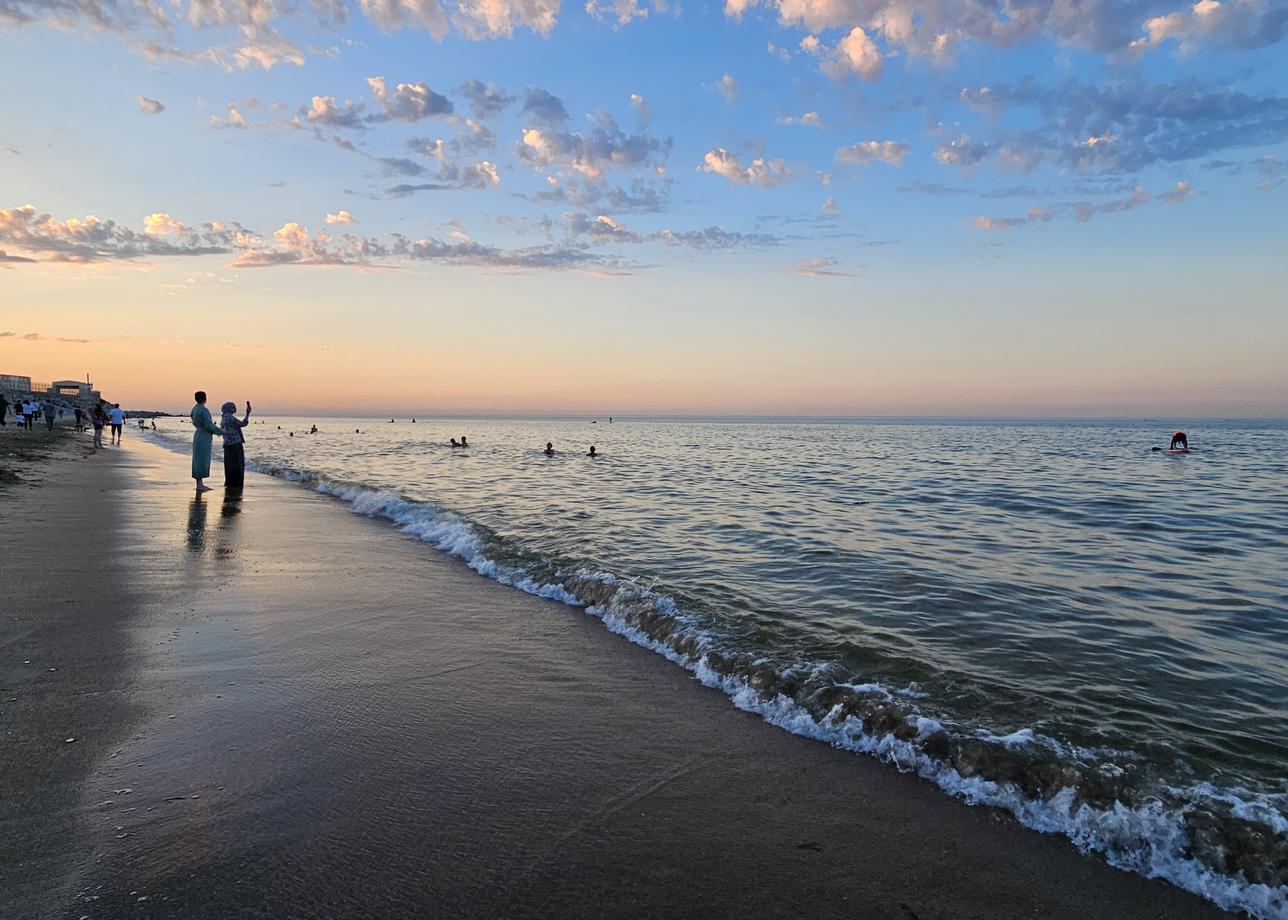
(1179, 450)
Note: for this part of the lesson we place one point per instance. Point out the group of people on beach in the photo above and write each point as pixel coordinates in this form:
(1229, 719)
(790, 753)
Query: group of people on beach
(28, 410)
(230, 429)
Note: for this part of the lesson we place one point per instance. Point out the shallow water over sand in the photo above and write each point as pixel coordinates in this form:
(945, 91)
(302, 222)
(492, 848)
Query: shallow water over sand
(1045, 616)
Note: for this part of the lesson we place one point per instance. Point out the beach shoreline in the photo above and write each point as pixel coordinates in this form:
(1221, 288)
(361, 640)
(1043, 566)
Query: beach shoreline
(281, 706)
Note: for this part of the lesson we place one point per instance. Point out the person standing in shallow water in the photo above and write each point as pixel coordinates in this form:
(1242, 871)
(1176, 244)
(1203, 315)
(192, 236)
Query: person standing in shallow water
(235, 446)
(206, 427)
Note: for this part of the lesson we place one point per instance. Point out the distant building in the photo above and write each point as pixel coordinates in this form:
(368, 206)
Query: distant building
(65, 392)
(78, 390)
(13, 383)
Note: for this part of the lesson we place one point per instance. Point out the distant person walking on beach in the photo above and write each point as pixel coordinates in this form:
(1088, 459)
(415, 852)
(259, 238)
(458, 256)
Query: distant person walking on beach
(50, 411)
(28, 413)
(99, 418)
(4, 410)
(206, 427)
(80, 419)
(117, 415)
(234, 446)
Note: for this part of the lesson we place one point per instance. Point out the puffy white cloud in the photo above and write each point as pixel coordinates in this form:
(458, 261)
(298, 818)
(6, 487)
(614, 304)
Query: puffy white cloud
(161, 224)
(760, 171)
(323, 110)
(408, 101)
(829, 205)
(865, 153)
(341, 217)
(855, 53)
(234, 119)
(149, 106)
(727, 87)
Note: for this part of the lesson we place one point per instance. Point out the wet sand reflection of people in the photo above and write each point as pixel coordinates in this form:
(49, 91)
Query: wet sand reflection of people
(197, 512)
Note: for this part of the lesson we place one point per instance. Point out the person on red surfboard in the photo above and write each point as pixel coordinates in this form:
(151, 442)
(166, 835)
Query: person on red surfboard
(1178, 437)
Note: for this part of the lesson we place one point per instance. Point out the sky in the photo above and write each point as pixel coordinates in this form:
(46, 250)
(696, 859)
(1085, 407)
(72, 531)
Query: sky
(833, 207)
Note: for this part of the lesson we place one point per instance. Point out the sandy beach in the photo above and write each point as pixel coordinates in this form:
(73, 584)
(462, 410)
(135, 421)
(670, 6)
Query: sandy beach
(283, 709)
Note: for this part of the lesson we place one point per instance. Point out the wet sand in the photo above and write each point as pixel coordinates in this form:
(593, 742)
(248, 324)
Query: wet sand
(282, 709)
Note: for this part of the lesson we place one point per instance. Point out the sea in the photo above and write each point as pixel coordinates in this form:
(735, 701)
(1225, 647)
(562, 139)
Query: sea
(1048, 617)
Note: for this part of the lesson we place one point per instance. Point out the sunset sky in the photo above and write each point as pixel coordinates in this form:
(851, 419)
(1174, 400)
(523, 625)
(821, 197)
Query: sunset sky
(790, 206)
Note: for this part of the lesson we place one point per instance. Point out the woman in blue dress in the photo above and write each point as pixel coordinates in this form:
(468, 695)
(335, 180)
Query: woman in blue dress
(201, 439)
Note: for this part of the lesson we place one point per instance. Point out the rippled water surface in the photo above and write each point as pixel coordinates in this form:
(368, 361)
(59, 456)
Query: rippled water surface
(1046, 616)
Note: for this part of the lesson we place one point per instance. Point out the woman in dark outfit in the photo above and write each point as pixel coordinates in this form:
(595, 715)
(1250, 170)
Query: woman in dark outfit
(234, 446)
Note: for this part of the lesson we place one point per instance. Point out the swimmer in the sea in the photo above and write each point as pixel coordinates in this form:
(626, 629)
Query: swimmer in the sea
(313, 430)
(550, 449)
(592, 452)
(454, 444)
(1178, 437)
(464, 443)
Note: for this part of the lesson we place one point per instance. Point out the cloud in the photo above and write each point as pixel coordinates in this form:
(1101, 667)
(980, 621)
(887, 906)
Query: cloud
(820, 268)
(324, 111)
(1085, 211)
(149, 106)
(487, 100)
(1121, 126)
(829, 206)
(727, 87)
(865, 153)
(712, 239)
(760, 172)
(643, 195)
(341, 217)
(6, 257)
(472, 135)
(162, 224)
(408, 101)
(1229, 24)
(1180, 192)
(931, 28)
(931, 188)
(809, 119)
(642, 107)
(402, 191)
(623, 12)
(856, 53)
(545, 107)
(234, 119)
(999, 223)
(93, 240)
(590, 154)
(962, 152)
(476, 19)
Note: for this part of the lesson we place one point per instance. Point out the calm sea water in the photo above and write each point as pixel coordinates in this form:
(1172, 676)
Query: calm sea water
(1043, 616)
